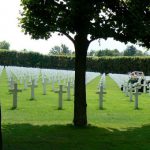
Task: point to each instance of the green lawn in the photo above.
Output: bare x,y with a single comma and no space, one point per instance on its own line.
39,125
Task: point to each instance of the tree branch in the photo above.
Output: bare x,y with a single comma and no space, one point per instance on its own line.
67,35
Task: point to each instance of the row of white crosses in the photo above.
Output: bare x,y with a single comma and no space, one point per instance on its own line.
128,88
120,79
101,92
22,75
63,78
70,83
90,76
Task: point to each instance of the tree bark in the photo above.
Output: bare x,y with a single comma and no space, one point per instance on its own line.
80,115
1,144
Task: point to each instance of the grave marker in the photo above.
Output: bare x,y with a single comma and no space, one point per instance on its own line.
60,94
101,92
33,86
53,85
15,95
144,86
11,83
68,90
130,91
44,83
25,83
136,94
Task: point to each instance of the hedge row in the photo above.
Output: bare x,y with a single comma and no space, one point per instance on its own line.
97,64
119,64
33,59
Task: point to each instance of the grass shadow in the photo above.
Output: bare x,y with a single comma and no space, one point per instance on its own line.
67,137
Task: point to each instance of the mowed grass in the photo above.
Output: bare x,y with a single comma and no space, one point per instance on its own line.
39,125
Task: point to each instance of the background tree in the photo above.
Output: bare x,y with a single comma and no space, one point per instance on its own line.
92,53
139,53
108,52
130,51
65,50
4,45
83,22
60,50
56,50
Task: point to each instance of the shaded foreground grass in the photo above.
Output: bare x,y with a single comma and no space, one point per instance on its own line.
39,125
66,137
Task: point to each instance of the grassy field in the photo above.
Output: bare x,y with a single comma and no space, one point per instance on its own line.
39,125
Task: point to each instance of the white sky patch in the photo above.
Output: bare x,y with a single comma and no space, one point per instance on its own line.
9,31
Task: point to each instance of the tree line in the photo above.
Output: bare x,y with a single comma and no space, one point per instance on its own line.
64,50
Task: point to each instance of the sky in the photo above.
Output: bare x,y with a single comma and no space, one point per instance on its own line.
10,32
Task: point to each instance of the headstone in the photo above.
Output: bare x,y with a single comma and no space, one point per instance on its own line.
101,92
144,86
14,92
44,83
11,83
130,91
53,85
60,94
25,83
68,90
33,86
136,94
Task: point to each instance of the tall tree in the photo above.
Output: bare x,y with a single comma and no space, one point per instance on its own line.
60,50
65,49
56,50
84,21
4,45
130,51
92,53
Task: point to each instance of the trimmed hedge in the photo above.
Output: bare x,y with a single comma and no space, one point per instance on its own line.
33,59
107,64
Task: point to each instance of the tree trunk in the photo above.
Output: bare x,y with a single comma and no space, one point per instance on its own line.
1,144
80,116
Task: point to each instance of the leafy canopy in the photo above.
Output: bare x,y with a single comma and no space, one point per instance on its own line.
124,20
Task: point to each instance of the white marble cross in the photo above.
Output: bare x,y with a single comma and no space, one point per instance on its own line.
130,91
53,85
68,90
60,94
33,86
14,92
25,83
144,86
136,94
101,92
11,83
44,83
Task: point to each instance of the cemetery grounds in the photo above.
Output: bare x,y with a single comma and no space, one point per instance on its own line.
39,125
